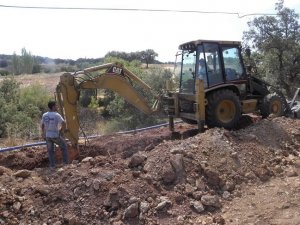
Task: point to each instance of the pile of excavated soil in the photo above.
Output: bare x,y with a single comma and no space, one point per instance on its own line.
248,176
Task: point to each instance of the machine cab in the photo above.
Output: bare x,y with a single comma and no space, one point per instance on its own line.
215,62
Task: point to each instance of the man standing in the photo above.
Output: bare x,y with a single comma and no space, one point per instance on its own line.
52,125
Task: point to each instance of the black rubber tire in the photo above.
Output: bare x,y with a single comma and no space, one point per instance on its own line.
223,109
272,104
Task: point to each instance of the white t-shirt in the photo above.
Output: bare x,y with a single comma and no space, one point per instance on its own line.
52,122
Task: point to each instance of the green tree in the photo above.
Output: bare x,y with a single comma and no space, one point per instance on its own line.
277,42
148,56
27,61
23,64
16,64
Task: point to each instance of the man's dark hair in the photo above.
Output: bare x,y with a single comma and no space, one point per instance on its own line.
51,104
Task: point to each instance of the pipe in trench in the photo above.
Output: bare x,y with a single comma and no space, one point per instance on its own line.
88,137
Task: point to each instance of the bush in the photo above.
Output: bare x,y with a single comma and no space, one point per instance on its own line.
90,121
37,68
34,98
125,116
21,109
4,73
9,90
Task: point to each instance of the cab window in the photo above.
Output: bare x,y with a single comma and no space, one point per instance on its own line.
187,82
213,65
232,63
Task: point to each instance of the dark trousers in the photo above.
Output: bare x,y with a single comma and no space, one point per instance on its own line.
63,146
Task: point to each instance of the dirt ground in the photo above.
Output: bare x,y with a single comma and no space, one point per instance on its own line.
247,176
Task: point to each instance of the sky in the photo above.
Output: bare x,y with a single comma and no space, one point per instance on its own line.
72,34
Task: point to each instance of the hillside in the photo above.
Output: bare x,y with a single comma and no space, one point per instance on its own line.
248,176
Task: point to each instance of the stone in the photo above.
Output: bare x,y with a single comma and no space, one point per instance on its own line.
133,199
144,207
95,171
197,195
87,159
179,198
291,173
234,155
212,176
219,220
96,185
211,200
4,170
168,175
60,170
163,205
198,206
5,214
178,167
57,223
88,182
229,186
180,219
136,160
226,195
263,173
278,169
43,190
71,219
136,174
17,206
118,223
176,151
200,184
113,199
22,173
132,211
297,163
189,189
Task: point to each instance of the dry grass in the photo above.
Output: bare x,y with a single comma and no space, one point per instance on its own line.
48,80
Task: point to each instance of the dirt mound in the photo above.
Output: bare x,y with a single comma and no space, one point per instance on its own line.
148,178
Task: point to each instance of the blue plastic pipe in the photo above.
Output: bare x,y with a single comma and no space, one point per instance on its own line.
88,137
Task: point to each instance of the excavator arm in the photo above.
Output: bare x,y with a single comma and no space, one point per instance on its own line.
113,76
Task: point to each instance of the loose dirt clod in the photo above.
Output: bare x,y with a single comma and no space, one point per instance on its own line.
248,176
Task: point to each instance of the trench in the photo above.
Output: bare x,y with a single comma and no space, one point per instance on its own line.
119,145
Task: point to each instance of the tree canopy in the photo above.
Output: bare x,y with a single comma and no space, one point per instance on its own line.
276,40
147,56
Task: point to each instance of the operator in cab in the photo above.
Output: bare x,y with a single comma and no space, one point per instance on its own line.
202,72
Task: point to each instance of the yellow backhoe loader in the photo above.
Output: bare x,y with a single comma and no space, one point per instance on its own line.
215,89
